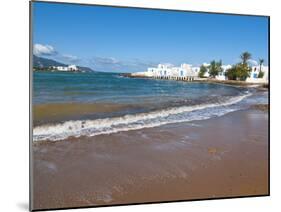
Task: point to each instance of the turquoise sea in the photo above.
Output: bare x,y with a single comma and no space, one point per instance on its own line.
88,104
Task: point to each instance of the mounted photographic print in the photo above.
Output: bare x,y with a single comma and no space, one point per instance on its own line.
136,105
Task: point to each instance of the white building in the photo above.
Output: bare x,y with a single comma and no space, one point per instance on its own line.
168,71
72,68
254,75
66,68
188,72
196,70
222,75
61,68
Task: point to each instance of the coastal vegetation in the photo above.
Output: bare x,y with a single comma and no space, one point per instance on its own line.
52,69
215,68
38,68
261,74
261,61
203,70
239,71
245,56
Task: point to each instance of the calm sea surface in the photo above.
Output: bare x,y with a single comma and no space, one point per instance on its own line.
59,87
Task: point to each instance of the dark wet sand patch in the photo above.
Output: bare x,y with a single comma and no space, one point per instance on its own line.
46,113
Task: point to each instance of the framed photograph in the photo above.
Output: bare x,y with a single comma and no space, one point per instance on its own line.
137,105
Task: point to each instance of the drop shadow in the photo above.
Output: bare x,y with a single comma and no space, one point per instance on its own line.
23,206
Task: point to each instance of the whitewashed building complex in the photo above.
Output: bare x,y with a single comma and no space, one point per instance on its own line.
253,78
188,72
168,71
66,68
255,73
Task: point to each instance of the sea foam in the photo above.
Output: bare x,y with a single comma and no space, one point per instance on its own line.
151,119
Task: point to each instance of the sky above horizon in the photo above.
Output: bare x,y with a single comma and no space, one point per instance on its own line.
127,40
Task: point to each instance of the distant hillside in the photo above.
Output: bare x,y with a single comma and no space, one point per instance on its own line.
83,68
44,62
40,62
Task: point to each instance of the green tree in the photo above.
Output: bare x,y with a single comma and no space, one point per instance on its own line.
243,71
203,71
231,73
245,57
239,71
215,68
261,74
261,61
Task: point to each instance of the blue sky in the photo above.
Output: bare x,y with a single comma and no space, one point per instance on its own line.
127,40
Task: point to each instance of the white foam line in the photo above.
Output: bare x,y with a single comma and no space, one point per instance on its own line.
117,124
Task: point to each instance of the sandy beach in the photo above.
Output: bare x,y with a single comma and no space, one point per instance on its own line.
145,110
224,156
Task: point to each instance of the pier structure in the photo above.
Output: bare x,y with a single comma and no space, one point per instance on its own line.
187,78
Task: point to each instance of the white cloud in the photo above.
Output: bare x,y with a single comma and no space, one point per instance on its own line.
41,50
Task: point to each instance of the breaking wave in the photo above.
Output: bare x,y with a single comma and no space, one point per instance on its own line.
151,119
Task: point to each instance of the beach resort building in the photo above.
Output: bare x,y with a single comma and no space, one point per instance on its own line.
72,68
168,71
253,78
189,73
195,70
61,68
254,75
66,68
222,75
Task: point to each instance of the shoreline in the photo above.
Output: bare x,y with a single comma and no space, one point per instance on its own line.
59,112
136,121
169,162
234,83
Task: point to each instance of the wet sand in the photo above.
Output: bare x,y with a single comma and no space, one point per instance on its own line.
220,157
52,113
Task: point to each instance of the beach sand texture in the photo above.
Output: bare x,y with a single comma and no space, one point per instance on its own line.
225,156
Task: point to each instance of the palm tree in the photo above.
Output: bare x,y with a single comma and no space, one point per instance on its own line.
261,61
245,56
